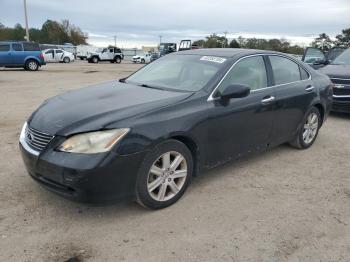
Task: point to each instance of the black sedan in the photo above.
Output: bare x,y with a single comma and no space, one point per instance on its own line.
145,136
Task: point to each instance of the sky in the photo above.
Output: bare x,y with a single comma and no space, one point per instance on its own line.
139,23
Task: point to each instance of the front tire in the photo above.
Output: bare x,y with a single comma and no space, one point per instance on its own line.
94,60
31,65
66,60
117,59
164,175
308,132
143,61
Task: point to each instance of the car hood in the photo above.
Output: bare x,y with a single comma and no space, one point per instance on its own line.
336,71
93,108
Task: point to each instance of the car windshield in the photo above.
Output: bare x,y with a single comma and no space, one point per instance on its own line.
178,72
343,58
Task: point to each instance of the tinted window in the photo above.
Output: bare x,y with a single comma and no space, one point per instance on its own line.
31,47
284,70
4,47
59,51
249,71
304,75
49,51
17,47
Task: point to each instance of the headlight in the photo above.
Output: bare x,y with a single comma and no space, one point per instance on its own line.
93,142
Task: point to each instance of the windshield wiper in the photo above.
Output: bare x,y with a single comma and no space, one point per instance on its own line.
150,86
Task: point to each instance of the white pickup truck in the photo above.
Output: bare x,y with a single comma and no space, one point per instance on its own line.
112,54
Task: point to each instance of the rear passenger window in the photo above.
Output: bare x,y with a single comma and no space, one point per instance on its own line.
284,70
304,75
250,71
31,47
4,47
17,47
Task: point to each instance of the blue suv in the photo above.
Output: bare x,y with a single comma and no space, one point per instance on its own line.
21,54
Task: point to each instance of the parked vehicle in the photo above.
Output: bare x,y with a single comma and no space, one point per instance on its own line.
21,54
338,69
167,48
57,55
143,58
145,136
154,56
112,54
84,50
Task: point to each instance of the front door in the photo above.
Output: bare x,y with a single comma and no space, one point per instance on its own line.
58,55
243,124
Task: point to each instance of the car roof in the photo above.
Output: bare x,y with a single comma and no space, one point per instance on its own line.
15,41
225,52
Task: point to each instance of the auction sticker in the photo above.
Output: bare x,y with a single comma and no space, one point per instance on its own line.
214,59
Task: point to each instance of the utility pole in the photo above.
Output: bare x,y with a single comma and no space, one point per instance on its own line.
160,39
115,41
225,38
26,19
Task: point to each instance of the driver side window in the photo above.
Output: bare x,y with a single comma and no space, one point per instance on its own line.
249,71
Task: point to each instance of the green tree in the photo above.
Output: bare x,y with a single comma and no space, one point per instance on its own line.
323,41
343,39
234,44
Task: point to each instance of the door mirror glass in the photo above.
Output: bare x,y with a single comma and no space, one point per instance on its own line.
313,55
234,91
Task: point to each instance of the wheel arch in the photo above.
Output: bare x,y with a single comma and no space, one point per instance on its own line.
194,149
32,58
320,109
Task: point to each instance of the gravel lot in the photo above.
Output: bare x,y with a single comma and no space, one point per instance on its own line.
283,205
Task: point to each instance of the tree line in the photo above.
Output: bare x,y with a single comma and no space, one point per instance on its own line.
51,32
323,41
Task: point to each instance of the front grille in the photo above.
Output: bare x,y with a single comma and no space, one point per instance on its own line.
345,91
340,81
36,139
342,87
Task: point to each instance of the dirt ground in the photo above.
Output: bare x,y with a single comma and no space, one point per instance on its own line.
282,205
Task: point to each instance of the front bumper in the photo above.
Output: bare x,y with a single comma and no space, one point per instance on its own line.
341,104
97,178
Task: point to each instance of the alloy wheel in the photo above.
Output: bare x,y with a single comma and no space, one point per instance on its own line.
167,176
310,128
32,65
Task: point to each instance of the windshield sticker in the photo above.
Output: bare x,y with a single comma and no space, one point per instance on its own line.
214,59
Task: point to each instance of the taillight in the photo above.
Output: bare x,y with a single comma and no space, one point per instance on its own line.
41,56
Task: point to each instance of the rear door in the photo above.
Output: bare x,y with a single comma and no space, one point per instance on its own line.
244,124
5,55
294,94
18,55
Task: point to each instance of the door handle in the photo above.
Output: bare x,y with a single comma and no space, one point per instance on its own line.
268,100
309,88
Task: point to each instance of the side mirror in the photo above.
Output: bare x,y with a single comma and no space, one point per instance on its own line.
234,91
320,62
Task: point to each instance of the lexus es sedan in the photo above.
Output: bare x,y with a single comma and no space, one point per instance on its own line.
145,136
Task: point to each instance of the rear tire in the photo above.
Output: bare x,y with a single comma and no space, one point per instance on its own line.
308,132
164,175
31,65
